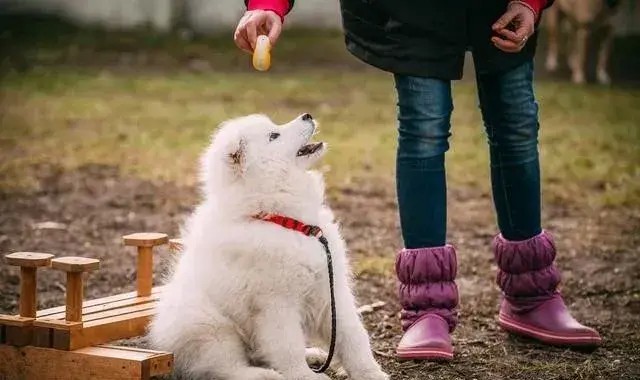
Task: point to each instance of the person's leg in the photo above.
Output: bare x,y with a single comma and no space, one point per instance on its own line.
426,267
525,254
424,113
510,115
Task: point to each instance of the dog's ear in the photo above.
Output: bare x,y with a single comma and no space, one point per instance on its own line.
236,155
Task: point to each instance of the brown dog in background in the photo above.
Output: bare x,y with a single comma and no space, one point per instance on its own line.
584,18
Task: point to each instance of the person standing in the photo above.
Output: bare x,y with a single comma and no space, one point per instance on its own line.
423,43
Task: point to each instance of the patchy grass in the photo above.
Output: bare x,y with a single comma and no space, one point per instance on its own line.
374,265
148,102
155,125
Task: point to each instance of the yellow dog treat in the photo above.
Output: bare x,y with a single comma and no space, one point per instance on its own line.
262,54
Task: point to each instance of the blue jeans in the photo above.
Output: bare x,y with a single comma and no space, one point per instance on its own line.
510,115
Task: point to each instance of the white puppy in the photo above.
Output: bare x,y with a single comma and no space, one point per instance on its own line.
248,295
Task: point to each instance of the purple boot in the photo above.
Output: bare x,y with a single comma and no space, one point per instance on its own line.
532,306
429,296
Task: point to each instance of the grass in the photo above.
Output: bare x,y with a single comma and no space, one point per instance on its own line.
75,106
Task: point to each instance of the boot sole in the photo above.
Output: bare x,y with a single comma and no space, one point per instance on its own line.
424,354
546,336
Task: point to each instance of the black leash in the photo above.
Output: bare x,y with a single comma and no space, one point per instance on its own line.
316,232
332,344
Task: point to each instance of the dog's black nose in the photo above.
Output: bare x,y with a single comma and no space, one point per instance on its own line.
306,117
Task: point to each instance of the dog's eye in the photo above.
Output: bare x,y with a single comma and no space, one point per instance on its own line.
273,136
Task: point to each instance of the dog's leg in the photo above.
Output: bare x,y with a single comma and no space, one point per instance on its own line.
579,59
552,19
223,356
602,69
352,345
280,341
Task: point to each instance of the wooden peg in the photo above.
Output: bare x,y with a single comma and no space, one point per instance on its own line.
145,241
74,266
28,263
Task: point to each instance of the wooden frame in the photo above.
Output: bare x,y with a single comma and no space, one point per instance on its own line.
103,320
66,342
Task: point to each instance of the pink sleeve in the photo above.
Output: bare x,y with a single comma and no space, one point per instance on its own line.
536,5
280,7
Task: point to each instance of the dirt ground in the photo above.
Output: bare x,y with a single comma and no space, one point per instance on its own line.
599,256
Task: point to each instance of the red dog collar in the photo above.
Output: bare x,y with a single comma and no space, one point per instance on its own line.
291,224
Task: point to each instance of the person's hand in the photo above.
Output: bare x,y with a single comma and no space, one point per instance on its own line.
255,23
514,28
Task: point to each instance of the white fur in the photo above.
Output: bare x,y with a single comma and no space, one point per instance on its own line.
247,296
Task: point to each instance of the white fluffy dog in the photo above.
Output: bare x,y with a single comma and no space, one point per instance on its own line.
247,296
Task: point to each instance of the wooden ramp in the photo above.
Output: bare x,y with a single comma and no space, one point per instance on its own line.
103,320
66,342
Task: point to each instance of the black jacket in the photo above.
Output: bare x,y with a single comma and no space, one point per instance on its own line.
428,37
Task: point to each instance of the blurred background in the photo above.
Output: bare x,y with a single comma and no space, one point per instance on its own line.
106,105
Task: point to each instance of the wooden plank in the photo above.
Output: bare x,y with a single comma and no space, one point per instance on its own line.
121,311
88,310
119,318
130,348
15,320
61,323
103,330
158,364
16,330
95,302
18,336
42,337
96,363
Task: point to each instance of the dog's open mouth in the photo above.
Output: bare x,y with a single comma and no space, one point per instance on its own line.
309,149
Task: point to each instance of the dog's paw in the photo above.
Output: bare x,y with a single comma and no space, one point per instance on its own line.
315,356
371,375
255,373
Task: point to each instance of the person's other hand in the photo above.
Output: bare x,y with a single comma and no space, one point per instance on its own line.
255,23
514,28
